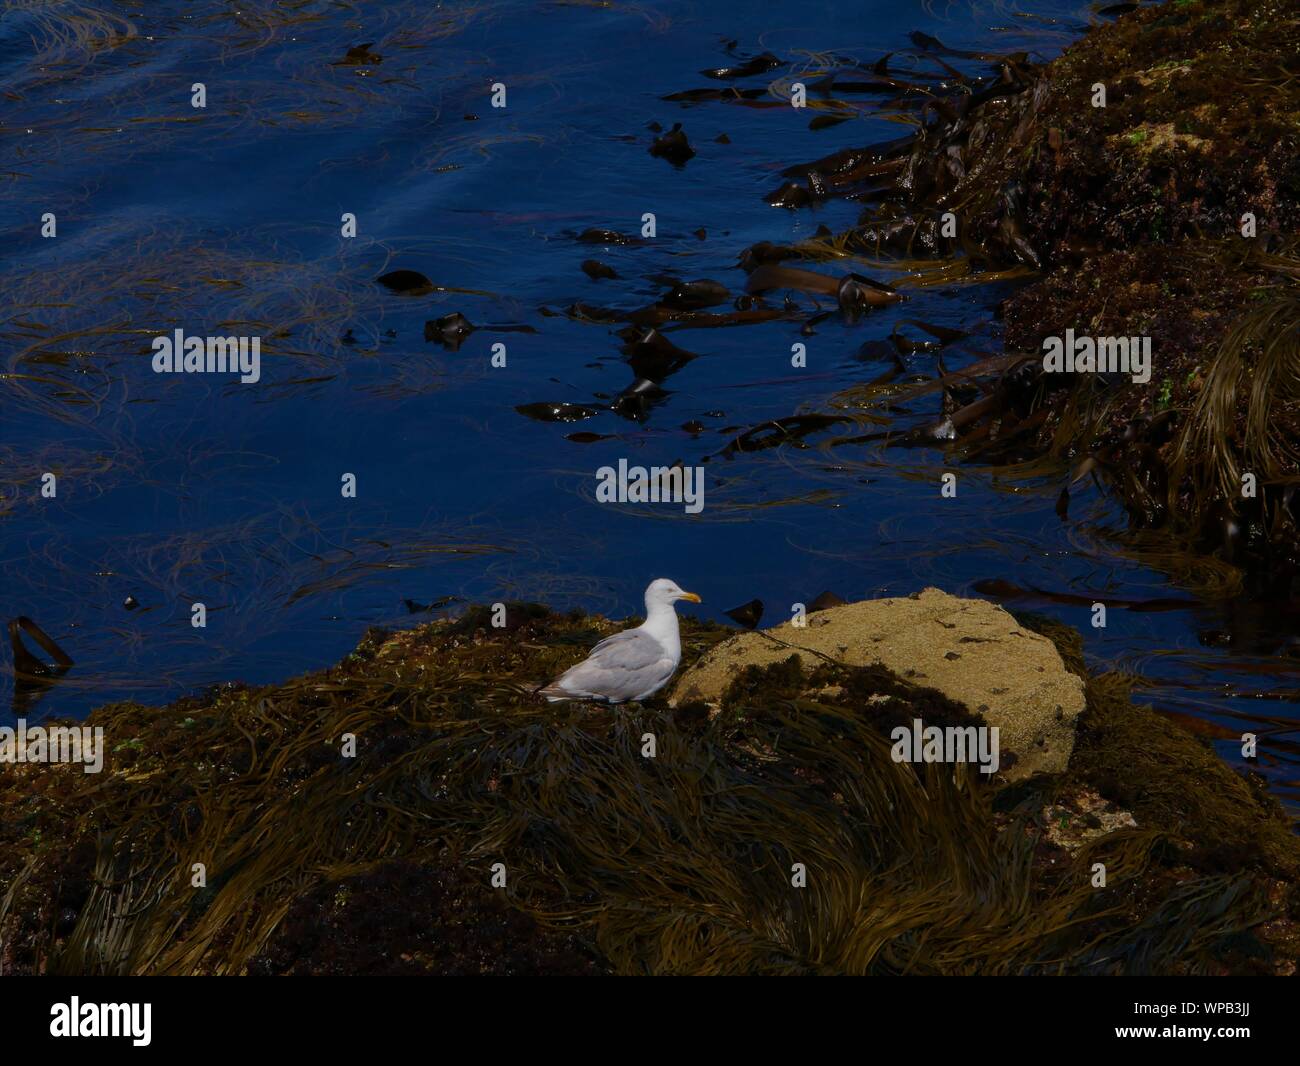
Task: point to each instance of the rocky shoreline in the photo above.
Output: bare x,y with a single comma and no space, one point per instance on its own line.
1149,181
1174,212
469,827
418,809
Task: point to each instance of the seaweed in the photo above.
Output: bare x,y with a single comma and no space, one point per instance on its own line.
679,863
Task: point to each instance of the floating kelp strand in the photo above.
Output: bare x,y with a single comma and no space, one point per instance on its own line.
849,159
759,64
731,93
781,431
360,55
767,277
406,282
823,122
28,664
606,236
1000,588
412,607
638,399
695,295
557,412
857,293
792,195
451,331
651,355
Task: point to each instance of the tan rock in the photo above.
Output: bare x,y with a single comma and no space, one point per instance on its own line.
972,651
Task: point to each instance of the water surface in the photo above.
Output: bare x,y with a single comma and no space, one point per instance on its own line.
226,220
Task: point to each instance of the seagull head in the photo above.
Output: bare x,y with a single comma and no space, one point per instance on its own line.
664,593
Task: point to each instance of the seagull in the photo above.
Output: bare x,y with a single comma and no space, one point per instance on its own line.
633,664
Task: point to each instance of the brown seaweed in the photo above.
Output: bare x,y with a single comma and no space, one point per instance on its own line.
360,56
1006,590
695,295
652,355
606,236
406,282
451,331
27,663
747,614
695,96
596,270
916,869
673,146
759,64
557,412
778,431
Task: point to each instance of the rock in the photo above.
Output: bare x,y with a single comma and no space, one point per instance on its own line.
1079,818
970,650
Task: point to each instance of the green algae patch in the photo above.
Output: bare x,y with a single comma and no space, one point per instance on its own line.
417,809
1151,139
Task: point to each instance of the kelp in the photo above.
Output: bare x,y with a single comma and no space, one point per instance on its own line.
32,675
1258,362
673,146
1223,402
1129,214
613,861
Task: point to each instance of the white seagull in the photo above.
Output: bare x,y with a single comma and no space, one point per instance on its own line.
633,664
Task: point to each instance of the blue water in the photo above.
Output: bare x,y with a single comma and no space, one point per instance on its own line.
226,220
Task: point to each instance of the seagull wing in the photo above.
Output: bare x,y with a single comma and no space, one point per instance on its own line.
626,666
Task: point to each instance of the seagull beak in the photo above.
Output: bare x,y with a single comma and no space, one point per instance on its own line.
690,596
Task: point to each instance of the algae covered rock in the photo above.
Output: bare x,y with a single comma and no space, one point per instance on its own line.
621,861
972,651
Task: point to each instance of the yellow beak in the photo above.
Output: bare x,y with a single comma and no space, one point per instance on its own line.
692,597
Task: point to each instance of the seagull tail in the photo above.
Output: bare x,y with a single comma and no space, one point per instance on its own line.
553,692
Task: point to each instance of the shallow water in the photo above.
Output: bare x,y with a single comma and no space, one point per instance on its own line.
174,489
